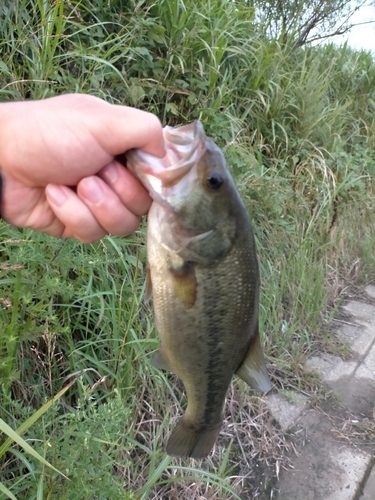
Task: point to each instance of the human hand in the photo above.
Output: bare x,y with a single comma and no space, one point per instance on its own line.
59,167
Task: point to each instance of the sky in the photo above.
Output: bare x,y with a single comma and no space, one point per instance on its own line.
363,36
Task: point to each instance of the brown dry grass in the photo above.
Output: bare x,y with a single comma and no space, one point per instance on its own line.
353,430
251,445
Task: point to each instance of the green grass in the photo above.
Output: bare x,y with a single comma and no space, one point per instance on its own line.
297,128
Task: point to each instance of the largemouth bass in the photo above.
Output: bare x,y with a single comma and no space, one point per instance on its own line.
204,278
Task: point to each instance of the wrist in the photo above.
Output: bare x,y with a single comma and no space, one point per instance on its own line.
7,142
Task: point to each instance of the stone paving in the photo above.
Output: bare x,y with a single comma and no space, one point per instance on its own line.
329,466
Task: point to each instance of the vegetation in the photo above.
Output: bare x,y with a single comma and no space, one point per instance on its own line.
302,22
297,128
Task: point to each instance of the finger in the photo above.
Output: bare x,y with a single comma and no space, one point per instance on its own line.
107,207
128,128
127,187
77,218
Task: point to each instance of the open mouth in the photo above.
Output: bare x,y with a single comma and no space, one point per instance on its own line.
184,145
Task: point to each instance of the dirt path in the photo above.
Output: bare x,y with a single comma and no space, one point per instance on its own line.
335,443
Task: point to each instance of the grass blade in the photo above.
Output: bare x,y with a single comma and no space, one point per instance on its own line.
4,427
7,492
30,421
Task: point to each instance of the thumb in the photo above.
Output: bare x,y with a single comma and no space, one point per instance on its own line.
120,128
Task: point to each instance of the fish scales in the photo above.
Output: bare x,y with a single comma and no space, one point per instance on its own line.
205,286
199,335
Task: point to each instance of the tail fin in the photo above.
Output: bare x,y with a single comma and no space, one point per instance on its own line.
189,441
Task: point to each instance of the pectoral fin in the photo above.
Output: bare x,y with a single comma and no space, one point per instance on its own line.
253,369
208,246
159,361
185,283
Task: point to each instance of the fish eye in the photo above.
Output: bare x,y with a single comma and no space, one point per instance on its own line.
214,181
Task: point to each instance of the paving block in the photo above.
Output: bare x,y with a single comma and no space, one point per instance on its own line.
358,337
369,489
324,468
370,290
331,368
352,466
366,368
364,313
286,407
353,383
358,396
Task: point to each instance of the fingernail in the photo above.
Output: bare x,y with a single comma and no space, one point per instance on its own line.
92,190
110,173
56,194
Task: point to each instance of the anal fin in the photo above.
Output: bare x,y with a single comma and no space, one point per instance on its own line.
253,369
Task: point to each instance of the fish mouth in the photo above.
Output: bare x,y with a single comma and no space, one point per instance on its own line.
185,146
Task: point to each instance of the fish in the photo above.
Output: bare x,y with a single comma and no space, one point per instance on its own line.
203,276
